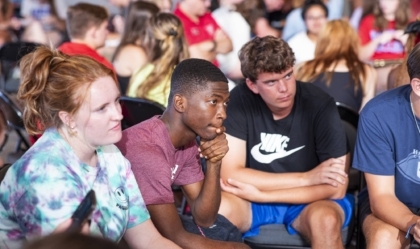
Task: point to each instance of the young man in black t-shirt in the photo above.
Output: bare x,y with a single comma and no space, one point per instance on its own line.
287,151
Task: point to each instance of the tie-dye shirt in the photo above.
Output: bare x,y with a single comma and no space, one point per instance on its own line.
44,188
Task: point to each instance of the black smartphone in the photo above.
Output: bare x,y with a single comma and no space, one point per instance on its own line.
83,211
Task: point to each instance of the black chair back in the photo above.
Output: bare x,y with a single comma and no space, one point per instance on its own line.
348,114
14,120
10,55
136,110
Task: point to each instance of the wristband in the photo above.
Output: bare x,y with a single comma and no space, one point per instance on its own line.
408,231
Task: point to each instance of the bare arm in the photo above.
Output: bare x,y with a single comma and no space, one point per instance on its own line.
370,85
367,50
129,59
385,205
223,42
204,197
210,48
145,235
233,166
167,221
262,28
297,195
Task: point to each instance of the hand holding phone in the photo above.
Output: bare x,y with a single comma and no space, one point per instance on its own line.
83,211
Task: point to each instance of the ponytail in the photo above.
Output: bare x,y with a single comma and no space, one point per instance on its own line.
52,82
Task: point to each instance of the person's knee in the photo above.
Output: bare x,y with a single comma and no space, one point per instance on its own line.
327,220
323,218
226,206
236,210
378,234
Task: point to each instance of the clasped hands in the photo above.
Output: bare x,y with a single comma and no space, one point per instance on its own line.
214,150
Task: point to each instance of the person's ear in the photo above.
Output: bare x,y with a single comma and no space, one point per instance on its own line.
415,85
252,86
67,119
180,103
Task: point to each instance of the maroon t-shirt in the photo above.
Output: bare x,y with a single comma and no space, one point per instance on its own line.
156,164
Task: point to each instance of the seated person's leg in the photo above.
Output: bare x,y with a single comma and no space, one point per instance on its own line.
379,234
236,210
318,219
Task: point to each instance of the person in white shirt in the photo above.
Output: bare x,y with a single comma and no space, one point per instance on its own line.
315,14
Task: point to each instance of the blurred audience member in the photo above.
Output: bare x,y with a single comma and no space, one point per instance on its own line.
239,32
315,15
164,5
276,12
337,68
42,23
165,47
362,10
204,36
382,37
130,54
254,13
399,75
295,24
87,27
8,23
72,241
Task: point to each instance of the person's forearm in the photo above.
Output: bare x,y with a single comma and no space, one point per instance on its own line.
202,52
162,243
367,50
302,195
390,210
207,204
223,46
266,181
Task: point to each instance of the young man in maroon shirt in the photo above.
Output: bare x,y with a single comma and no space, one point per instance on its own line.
163,152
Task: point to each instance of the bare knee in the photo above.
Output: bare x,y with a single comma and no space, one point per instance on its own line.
379,234
236,210
327,221
319,219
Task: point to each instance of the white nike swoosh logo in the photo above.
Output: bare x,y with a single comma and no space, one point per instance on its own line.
258,156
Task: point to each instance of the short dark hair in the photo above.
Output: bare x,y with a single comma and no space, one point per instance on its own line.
265,55
83,16
309,4
413,65
192,75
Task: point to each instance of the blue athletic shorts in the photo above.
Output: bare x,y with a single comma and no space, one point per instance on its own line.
277,213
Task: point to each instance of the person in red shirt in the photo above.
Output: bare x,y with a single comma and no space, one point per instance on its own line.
204,37
87,27
382,37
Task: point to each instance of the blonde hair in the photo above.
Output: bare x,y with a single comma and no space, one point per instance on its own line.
52,82
337,41
166,47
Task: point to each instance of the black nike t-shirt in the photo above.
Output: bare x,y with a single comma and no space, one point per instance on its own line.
309,135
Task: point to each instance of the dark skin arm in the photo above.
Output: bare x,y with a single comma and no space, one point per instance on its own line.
203,198
167,221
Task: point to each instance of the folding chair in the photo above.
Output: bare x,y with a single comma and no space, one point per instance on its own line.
136,110
14,120
10,55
